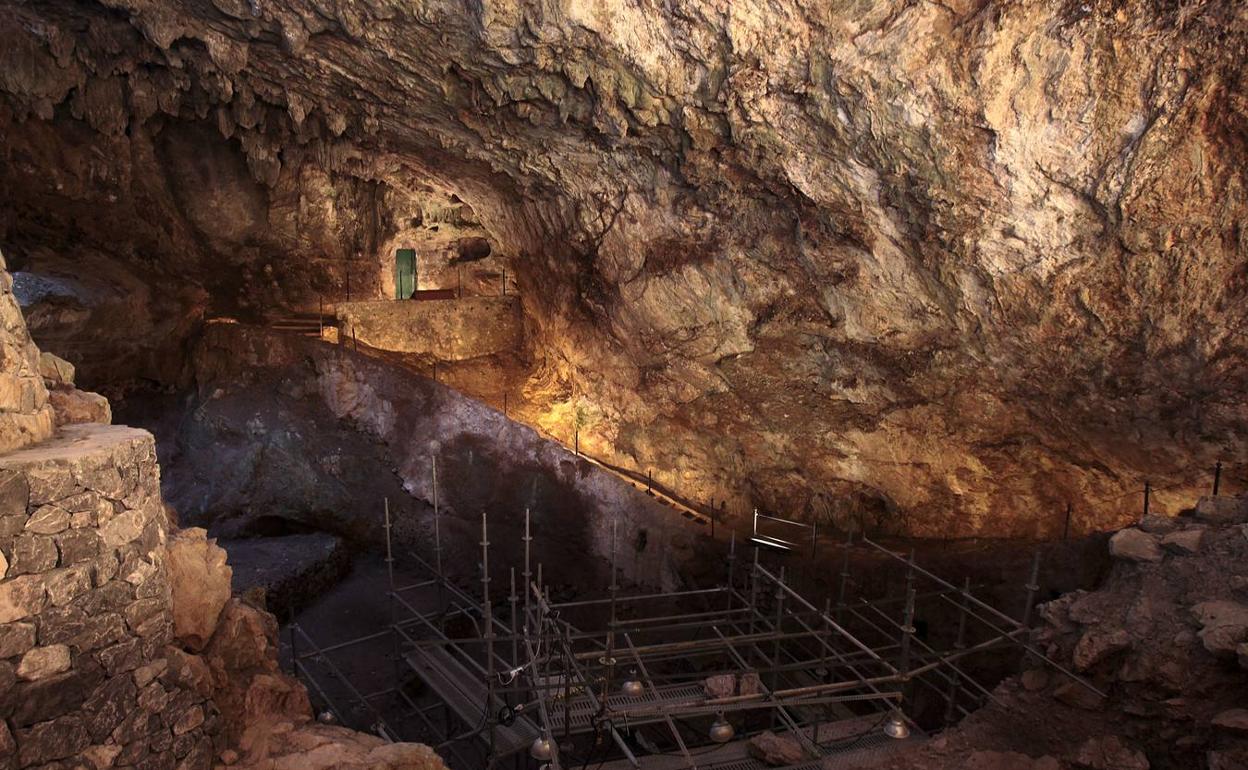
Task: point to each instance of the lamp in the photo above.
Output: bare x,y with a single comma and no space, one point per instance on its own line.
896,727
631,687
721,729
541,749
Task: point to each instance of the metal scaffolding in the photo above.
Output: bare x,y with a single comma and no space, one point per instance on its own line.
677,679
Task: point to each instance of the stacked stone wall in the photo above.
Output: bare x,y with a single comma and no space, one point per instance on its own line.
86,619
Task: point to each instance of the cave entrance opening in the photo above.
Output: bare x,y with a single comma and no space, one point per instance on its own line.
404,273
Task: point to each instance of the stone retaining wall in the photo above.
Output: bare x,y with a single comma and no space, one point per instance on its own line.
449,329
86,614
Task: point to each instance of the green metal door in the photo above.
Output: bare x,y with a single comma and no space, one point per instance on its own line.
404,273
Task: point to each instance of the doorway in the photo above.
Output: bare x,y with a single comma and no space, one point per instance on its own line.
404,273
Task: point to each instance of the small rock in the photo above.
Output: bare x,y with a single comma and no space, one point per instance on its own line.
229,757
1234,720
1097,645
1076,695
1185,542
42,662
1135,545
1035,679
55,370
1110,753
750,684
73,406
1224,626
1158,525
1222,510
720,685
776,750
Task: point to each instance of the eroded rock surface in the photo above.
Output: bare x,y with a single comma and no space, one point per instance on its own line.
914,264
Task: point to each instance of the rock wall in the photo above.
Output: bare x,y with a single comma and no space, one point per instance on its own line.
86,615
448,329
285,422
25,414
949,265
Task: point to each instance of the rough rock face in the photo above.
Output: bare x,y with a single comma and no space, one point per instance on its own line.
25,415
199,580
941,267
1155,639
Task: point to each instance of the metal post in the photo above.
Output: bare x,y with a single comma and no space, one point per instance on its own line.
1066,526
528,574
608,660
732,566
391,596
437,540
512,599
955,684
320,313
435,371
753,589
649,480
354,341
779,629
504,282
712,518
844,586
1148,493
505,405
1033,585
814,540
1217,477
487,611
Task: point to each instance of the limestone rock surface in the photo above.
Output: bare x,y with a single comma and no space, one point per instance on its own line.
1135,545
822,258
199,580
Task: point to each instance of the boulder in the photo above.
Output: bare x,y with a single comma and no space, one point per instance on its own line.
1224,626
1241,652
1108,752
1135,545
776,750
73,406
199,581
1222,510
1232,720
1184,542
55,371
323,747
1098,644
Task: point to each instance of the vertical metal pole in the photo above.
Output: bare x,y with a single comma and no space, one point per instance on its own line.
320,313
1217,477
505,414
437,540
955,684
504,282
487,611
753,589
649,480
513,599
814,540
294,654
394,626
842,590
732,566
1033,585
1066,525
354,341
779,629
609,660
712,518
528,574
1148,493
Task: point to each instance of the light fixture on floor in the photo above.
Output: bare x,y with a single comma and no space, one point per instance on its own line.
721,729
631,687
541,749
896,727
